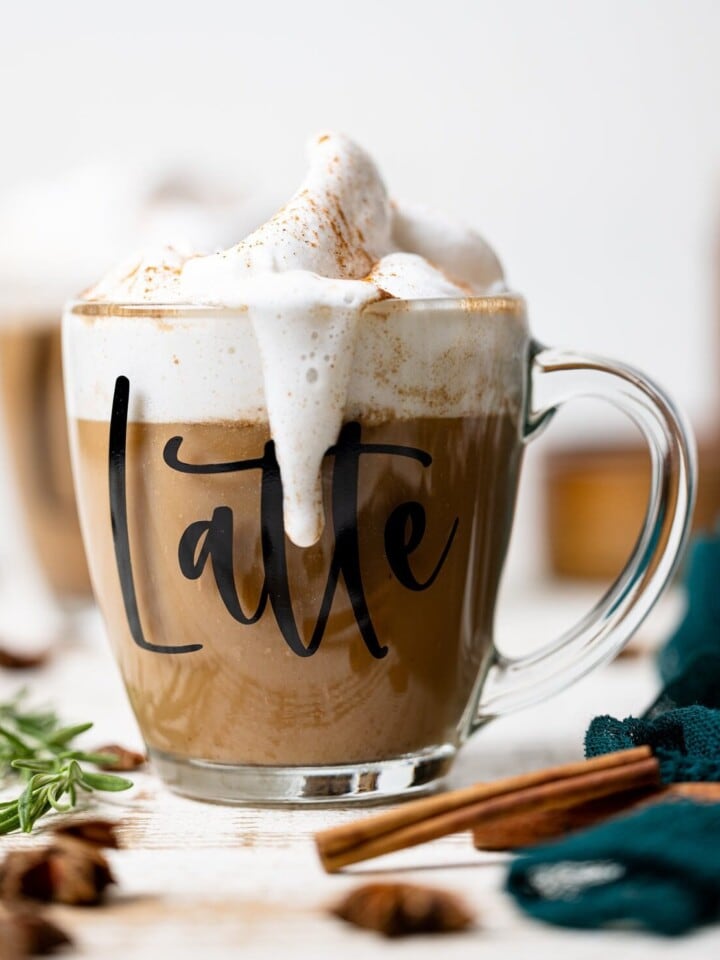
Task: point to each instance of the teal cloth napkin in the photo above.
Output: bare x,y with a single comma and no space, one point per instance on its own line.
685,741
657,869
699,633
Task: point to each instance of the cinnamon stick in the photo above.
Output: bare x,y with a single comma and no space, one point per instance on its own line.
512,832
524,830
434,817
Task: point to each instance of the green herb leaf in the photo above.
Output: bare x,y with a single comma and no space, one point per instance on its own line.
62,737
37,747
106,781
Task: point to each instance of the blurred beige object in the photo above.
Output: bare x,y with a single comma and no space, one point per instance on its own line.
595,501
33,407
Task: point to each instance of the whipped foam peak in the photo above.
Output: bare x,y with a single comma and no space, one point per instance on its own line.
304,278
338,224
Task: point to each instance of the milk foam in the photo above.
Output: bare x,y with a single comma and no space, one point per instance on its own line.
305,279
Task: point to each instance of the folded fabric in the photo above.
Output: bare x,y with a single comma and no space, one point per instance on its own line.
697,681
658,869
689,663
683,724
686,741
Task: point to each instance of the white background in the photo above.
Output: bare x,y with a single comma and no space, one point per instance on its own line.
582,138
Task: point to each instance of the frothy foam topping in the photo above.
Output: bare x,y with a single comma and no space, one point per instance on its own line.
305,277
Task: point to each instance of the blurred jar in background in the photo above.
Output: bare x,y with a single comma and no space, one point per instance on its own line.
595,503
595,497
56,238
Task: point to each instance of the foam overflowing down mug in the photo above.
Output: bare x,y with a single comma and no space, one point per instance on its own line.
296,464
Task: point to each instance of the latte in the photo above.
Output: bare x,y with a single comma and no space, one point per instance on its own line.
296,463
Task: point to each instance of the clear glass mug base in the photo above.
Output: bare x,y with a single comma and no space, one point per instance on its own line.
371,782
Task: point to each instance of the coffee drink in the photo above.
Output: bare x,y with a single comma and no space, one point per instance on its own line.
296,463
401,643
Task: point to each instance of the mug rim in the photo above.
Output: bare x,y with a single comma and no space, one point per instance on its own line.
489,304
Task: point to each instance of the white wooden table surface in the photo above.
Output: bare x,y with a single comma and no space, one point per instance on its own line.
196,880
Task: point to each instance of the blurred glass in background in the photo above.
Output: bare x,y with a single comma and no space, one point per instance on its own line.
57,236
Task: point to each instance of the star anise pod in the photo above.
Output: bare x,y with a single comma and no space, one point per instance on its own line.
100,833
401,909
24,932
67,871
119,758
14,660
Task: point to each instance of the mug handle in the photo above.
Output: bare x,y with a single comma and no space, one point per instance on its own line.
557,376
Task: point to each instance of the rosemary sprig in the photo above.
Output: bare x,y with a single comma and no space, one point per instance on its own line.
35,746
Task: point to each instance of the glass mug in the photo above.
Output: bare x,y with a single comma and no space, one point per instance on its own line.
260,671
